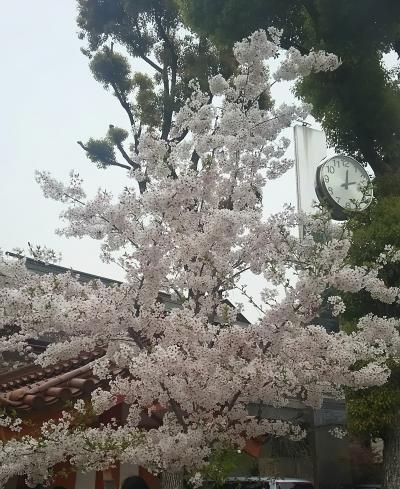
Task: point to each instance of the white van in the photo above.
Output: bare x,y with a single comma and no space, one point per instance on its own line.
266,483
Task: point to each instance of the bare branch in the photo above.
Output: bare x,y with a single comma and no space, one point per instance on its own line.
124,103
142,55
176,409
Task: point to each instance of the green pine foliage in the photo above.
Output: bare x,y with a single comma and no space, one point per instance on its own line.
112,69
101,152
148,106
116,135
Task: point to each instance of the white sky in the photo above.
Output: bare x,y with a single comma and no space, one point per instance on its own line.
49,100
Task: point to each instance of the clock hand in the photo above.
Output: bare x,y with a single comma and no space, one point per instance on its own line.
351,183
346,183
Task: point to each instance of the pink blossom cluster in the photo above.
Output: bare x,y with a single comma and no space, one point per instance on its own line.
193,232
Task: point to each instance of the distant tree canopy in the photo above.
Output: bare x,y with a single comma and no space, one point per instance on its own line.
120,31
358,104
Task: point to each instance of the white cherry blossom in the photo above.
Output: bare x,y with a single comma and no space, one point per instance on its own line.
194,231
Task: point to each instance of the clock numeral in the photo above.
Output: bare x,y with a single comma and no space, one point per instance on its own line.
338,199
347,205
330,190
340,163
331,169
326,178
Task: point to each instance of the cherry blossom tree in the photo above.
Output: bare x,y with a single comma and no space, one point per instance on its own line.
192,228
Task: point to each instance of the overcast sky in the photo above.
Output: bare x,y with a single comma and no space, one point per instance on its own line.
49,101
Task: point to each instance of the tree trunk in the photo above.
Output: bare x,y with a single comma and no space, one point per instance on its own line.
172,480
391,457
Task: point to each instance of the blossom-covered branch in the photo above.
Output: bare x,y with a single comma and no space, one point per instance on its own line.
193,232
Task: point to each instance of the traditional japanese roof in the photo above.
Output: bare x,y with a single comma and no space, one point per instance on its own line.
35,387
38,389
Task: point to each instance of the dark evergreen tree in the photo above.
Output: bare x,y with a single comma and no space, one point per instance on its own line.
374,412
358,104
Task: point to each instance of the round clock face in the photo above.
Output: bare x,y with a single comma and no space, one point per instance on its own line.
344,184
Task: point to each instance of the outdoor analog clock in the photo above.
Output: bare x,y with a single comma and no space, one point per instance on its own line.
344,185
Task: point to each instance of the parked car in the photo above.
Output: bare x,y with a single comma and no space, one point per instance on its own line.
266,483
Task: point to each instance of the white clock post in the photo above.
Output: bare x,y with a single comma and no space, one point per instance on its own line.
310,148
328,452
